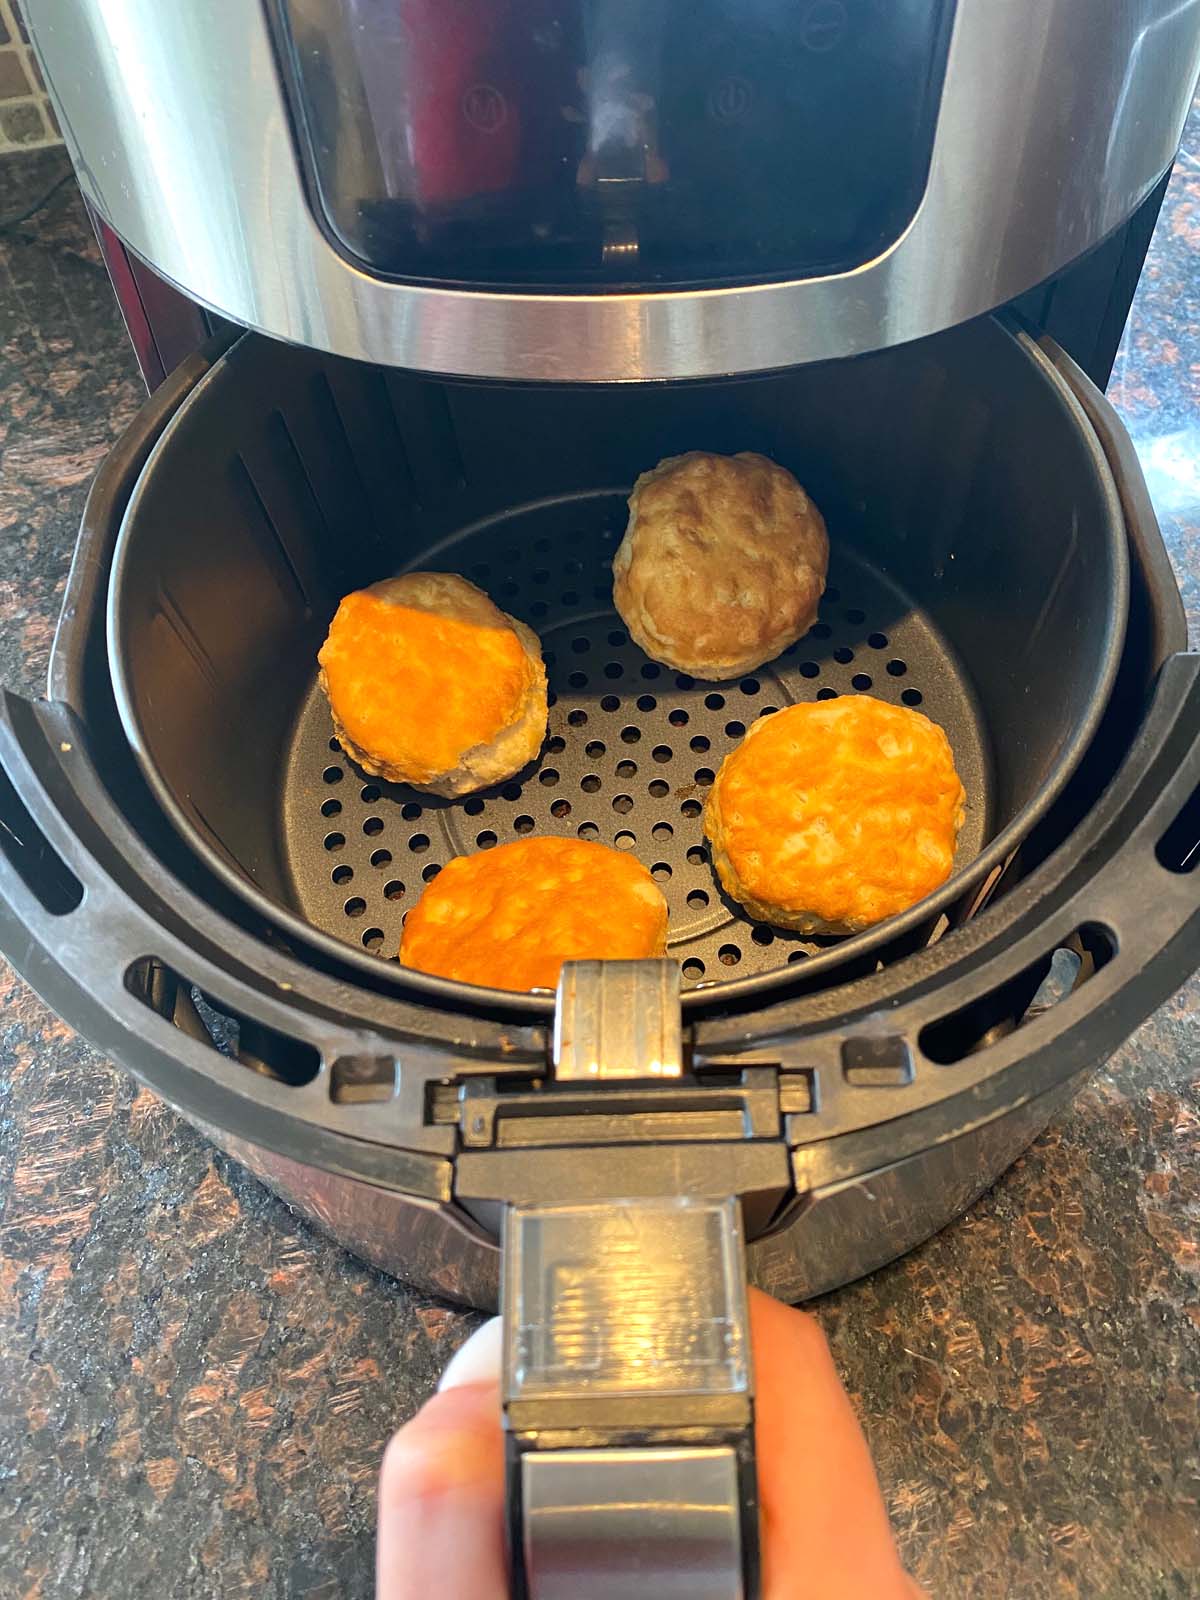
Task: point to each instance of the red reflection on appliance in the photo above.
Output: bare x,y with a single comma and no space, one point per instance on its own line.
464,119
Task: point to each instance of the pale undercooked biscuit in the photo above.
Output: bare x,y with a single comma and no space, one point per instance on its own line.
432,685
829,817
722,565
508,918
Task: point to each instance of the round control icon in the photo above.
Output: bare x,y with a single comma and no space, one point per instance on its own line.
823,25
485,107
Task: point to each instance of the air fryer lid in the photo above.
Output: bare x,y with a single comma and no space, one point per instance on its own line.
979,570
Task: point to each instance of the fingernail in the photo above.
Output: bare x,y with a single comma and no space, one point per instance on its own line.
476,1361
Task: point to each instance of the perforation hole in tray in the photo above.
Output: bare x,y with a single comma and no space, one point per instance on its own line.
631,752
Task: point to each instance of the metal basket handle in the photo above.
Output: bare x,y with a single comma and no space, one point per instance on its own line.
627,1378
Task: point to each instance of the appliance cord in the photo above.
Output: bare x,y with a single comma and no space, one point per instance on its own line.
31,210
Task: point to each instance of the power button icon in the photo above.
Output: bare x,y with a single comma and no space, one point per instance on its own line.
731,99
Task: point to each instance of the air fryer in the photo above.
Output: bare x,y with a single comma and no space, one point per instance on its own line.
463,302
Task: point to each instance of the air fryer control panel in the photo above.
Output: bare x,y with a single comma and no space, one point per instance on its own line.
636,142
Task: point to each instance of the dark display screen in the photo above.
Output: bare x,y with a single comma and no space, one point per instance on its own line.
576,143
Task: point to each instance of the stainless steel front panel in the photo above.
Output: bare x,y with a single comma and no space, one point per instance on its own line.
1055,122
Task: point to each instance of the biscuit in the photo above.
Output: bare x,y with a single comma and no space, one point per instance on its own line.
432,685
829,817
722,565
508,918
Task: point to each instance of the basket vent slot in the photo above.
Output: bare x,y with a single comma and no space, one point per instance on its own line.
41,869
263,1049
877,1061
360,1080
1022,999
1179,848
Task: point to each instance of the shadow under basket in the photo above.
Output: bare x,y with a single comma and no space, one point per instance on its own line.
979,572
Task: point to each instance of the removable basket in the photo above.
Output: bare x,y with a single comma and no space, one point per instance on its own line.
979,571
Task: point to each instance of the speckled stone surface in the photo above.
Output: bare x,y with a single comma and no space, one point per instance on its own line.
195,1387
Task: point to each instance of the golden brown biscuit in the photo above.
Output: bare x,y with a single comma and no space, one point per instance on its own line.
722,564
508,918
827,818
431,684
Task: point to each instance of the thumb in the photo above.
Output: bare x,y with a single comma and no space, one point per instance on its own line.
441,1488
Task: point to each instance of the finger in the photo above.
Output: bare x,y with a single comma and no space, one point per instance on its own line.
477,1359
825,1527
441,1495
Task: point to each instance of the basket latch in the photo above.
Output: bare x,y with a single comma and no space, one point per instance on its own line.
617,1019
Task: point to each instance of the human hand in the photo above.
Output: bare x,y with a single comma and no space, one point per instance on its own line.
825,1531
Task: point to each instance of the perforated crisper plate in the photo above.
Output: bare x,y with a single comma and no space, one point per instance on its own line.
631,747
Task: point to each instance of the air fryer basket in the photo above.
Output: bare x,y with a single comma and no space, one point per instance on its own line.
884,1098
979,570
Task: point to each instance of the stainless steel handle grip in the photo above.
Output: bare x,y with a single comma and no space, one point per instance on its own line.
628,1401
627,1380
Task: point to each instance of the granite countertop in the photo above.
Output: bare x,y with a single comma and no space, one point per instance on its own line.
195,1388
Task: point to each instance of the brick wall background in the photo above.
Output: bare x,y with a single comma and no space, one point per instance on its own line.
26,120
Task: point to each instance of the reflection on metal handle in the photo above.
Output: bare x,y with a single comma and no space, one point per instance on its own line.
628,1401
617,1020
632,1522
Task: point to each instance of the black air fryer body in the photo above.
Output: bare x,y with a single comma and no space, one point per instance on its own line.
193,890
335,457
